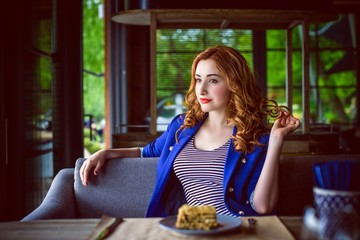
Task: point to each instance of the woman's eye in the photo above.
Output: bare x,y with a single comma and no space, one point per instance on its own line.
198,79
213,80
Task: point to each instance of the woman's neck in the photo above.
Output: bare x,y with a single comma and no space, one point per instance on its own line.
217,120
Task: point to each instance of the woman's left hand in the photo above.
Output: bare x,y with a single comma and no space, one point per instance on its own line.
285,124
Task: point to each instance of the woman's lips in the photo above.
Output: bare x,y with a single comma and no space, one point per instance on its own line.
204,100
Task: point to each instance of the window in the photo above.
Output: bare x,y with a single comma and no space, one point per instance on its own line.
332,66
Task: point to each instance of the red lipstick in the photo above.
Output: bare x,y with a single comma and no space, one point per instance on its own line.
204,100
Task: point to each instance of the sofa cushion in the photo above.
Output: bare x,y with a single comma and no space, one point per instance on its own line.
120,189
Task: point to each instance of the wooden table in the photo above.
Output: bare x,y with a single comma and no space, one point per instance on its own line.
293,224
82,228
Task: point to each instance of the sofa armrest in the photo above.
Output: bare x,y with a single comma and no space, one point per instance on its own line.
59,201
122,188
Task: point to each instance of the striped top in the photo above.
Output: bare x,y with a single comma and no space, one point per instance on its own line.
201,174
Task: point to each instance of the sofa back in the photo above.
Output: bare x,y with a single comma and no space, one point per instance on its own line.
123,187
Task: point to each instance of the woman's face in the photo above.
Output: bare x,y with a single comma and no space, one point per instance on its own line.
211,87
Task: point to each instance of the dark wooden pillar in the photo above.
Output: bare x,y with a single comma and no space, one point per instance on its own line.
138,76
13,74
259,48
68,110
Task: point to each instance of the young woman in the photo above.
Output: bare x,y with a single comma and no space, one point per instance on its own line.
221,152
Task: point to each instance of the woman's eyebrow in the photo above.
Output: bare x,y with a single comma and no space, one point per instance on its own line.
209,75
213,75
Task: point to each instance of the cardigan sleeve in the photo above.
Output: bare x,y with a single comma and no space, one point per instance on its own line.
155,148
260,154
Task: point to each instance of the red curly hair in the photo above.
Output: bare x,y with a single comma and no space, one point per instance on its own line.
246,108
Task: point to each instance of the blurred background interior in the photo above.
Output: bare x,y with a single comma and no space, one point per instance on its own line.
78,76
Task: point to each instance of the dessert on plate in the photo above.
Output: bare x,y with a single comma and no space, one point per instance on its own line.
196,217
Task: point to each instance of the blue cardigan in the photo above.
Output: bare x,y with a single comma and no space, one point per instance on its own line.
241,172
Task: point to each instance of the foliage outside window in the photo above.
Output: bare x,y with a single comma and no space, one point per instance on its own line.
93,59
93,74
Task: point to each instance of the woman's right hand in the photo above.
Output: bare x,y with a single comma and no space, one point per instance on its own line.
95,161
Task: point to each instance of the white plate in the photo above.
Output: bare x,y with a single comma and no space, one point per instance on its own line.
226,223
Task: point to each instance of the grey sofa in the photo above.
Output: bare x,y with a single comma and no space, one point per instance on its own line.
124,186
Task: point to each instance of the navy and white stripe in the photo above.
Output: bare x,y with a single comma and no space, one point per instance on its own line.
201,174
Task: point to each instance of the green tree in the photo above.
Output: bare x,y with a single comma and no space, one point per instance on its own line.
93,65
93,59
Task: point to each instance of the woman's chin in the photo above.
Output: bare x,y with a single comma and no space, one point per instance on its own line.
205,109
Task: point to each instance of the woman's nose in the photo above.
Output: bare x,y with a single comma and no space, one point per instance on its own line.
203,89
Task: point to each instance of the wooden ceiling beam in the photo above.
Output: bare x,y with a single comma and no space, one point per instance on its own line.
222,18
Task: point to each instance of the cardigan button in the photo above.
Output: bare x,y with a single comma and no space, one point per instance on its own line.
247,202
241,213
230,189
243,160
171,148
